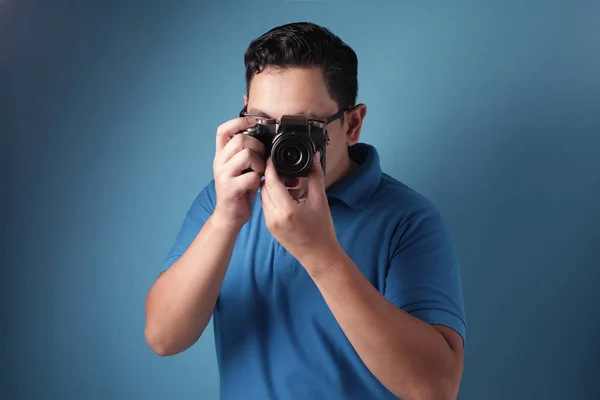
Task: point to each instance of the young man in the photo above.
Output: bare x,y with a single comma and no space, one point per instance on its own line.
351,292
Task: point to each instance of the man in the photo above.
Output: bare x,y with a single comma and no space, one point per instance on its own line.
352,291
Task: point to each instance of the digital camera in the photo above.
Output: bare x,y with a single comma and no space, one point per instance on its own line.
291,143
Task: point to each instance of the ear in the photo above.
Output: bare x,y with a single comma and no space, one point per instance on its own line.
245,99
354,119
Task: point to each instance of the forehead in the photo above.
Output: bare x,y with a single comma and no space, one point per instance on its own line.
275,92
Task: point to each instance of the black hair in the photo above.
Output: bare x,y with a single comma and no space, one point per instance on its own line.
304,45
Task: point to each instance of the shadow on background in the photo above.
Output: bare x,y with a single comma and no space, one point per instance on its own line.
491,110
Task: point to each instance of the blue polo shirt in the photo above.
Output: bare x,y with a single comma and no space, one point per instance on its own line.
275,336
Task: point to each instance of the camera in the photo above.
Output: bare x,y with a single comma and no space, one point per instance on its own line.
291,143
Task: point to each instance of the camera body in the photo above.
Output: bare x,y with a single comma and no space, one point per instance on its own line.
291,143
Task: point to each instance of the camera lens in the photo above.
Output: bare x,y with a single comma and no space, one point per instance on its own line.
292,154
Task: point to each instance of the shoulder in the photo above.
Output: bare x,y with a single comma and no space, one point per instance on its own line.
408,217
399,201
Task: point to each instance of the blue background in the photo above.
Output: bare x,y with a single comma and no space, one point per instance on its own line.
491,109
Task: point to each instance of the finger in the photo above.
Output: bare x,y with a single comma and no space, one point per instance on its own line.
241,185
276,189
227,130
243,160
237,144
316,181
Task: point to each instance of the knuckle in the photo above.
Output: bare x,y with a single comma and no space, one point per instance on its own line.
222,129
238,142
257,144
253,180
260,167
287,215
237,191
248,156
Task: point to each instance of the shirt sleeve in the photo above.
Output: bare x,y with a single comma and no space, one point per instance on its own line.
195,218
424,277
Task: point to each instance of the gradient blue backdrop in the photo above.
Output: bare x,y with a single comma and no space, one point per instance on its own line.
491,109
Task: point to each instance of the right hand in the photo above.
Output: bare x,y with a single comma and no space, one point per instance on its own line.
234,154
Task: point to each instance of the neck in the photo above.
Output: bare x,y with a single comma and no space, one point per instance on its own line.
346,167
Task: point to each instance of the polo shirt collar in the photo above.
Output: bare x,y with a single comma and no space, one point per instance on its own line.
356,189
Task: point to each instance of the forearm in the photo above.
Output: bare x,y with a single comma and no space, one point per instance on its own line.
407,355
180,303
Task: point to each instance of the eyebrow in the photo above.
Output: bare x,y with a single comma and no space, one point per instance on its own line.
307,113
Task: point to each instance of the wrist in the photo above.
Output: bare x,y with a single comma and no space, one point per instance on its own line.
225,224
324,260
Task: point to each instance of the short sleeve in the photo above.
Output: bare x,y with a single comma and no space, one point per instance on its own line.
195,218
424,277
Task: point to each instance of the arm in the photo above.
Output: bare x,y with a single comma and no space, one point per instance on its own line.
180,303
413,359
396,333
403,336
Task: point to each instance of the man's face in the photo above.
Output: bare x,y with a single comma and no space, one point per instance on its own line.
277,92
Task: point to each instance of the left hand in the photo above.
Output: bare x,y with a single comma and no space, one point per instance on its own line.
305,229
